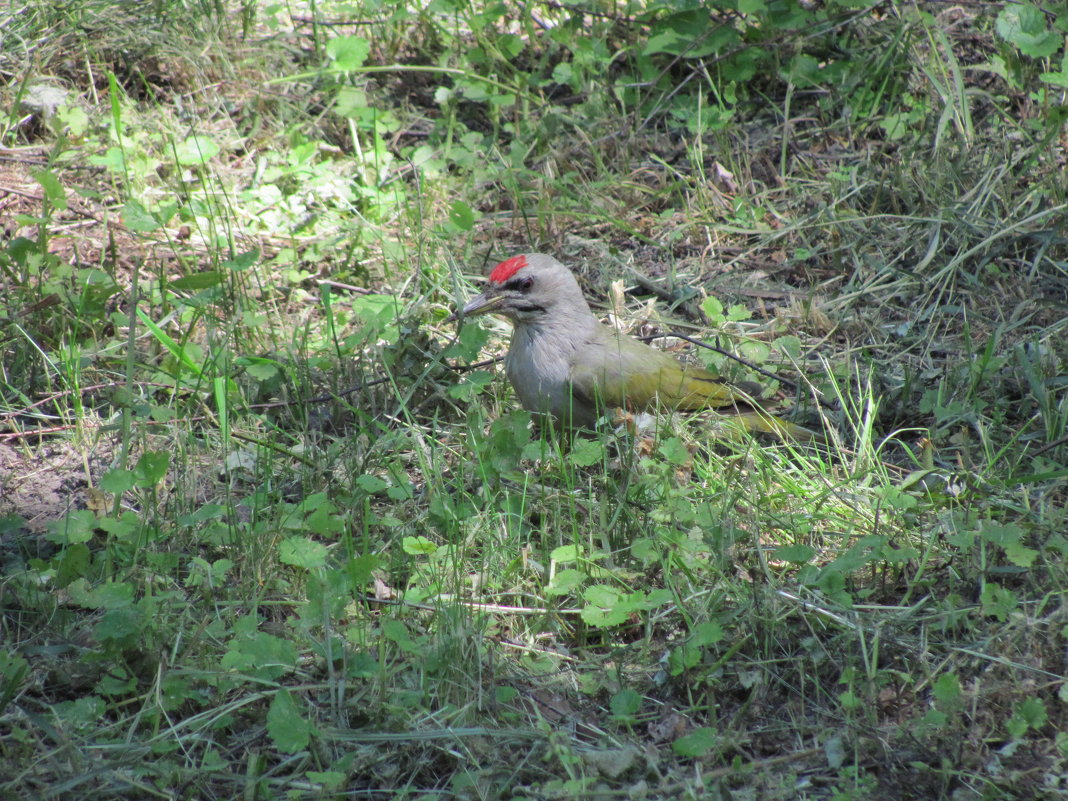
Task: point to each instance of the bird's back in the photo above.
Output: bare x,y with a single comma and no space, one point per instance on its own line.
618,371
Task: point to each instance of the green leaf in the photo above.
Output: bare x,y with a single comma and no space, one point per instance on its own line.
401,492
804,71
302,552
179,352
89,709
75,118
1033,712
790,345
151,468
795,554
602,595
675,451
1017,727
663,42
348,52
259,368
72,564
645,550
656,598
120,627
683,657
604,618
863,551
606,606
565,581
934,718
351,102
243,261
946,690
112,595
697,743
690,34
375,307
473,383
395,631
462,215
204,280
587,452
74,527
53,189
625,704
896,126
713,310
371,484
262,655
324,520
288,730
835,752
195,149
563,554
97,286
1020,555
1000,534
962,539
113,160
118,481
1059,78
329,780
754,350
379,312
127,528
510,45
738,313
1025,27
850,700
361,568
418,546
997,602
707,633
137,218
469,343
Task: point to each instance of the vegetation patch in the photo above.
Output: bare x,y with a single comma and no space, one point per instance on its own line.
273,525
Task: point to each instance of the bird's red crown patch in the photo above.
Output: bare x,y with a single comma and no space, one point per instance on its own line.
506,269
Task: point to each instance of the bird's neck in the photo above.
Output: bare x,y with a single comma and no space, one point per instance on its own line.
561,332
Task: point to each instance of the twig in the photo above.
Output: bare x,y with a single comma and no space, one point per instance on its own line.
1050,446
460,368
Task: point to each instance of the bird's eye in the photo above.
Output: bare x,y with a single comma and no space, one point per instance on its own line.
520,284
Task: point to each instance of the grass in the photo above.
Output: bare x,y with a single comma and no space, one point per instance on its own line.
272,526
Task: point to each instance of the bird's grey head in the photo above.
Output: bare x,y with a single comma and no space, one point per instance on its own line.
530,288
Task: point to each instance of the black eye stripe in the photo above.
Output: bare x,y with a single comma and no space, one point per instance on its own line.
519,284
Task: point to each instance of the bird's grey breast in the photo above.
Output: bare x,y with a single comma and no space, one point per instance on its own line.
538,364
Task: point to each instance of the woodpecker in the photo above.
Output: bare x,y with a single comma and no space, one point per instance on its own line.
565,364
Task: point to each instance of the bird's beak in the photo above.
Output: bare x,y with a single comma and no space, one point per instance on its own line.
480,304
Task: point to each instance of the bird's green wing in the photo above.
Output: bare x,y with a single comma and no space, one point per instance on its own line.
691,388
620,372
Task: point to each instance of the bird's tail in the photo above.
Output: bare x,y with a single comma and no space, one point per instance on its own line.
765,423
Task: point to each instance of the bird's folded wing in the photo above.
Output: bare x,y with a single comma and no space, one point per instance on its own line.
609,389
669,385
695,389
637,384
